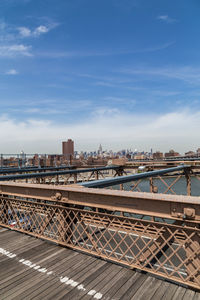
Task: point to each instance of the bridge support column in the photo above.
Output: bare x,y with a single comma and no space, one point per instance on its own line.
96,175
188,181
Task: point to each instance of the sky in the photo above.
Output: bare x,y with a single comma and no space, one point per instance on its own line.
123,73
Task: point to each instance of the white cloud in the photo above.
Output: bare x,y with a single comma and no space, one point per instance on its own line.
15,50
42,29
115,130
24,31
166,18
11,35
12,72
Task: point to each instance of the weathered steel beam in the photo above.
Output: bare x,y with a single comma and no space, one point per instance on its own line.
33,169
159,205
123,179
54,173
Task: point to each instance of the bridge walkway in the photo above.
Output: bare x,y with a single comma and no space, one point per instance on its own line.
31,268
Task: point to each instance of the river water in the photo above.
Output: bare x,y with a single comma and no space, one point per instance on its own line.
180,187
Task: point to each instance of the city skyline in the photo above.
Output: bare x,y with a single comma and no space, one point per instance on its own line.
69,150
120,73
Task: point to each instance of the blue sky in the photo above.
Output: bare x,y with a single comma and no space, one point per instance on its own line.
123,73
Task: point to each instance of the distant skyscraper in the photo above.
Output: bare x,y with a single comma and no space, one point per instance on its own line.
100,149
68,149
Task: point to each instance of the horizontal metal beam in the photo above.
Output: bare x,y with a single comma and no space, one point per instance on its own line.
123,179
33,169
54,173
159,205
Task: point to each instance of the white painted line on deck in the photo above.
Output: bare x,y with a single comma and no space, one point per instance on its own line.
63,279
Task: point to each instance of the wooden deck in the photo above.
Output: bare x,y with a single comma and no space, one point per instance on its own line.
34,269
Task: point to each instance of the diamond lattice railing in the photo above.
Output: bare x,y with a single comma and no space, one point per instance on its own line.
171,250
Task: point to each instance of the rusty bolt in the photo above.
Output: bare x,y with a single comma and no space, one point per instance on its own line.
58,196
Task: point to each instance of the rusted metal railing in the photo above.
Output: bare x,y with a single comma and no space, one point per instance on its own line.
176,180
180,180
156,233
59,175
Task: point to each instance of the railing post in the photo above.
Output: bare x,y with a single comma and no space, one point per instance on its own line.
188,181
18,161
120,171
96,175
5,211
153,188
75,178
151,184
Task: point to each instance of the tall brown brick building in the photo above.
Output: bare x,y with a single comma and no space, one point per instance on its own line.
68,149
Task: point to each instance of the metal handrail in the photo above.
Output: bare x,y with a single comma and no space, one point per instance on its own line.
30,169
48,174
123,179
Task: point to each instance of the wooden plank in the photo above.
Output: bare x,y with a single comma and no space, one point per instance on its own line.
28,282
160,291
123,289
16,243
27,256
179,293
144,287
149,290
170,292
106,283
10,240
36,258
90,281
136,285
18,268
22,249
3,229
70,292
70,273
196,296
189,295
18,281
39,280
117,284
8,284
53,282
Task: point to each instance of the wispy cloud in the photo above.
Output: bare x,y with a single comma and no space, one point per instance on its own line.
11,36
10,32
11,44
26,32
122,100
15,50
6,32
188,74
52,107
104,83
166,19
12,72
75,53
